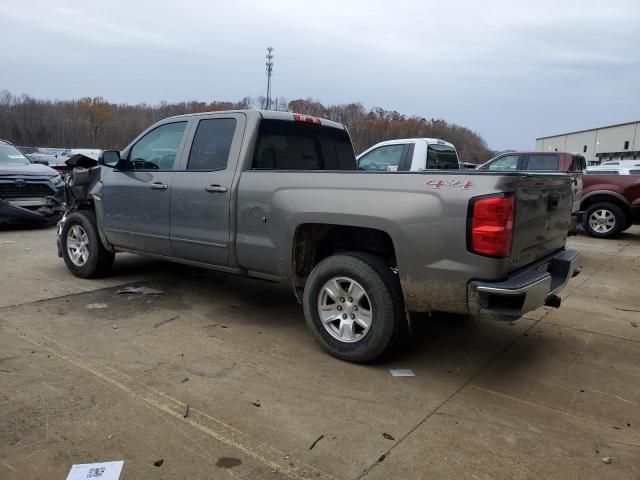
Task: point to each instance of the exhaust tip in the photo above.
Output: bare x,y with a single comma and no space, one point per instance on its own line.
553,300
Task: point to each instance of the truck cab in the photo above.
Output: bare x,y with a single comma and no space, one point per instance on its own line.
409,155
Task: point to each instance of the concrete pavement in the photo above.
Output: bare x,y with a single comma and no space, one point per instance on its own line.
547,396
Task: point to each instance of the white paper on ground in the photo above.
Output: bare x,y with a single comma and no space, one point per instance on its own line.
141,290
402,372
96,471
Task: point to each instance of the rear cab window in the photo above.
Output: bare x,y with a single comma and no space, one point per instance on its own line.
543,162
441,157
287,145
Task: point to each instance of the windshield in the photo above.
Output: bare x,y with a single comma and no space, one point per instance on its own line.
442,156
10,155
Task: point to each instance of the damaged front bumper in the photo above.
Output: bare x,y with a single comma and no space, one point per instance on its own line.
527,289
29,210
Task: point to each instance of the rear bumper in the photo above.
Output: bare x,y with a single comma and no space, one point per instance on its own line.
527,289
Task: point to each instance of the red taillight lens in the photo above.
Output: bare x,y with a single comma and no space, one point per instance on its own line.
492,226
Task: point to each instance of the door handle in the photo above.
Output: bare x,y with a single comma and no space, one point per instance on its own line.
215,189
159,186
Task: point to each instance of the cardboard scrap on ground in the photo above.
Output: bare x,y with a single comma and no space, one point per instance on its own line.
96,471
402,372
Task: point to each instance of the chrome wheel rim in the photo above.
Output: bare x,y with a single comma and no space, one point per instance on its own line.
345,309
78,245
602,221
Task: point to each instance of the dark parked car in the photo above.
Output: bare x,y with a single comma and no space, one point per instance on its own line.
29,192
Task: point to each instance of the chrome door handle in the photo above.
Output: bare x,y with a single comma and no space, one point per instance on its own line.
159,186
215,189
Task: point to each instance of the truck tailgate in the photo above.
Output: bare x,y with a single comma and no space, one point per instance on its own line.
542,217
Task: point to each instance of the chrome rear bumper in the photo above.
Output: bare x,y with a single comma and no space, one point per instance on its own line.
526,290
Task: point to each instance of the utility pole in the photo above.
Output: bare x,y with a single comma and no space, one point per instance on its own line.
269,69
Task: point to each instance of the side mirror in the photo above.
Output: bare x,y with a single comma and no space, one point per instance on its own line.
109,158
40,162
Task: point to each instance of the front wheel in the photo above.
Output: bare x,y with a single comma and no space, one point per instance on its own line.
82,250
353,306
604,220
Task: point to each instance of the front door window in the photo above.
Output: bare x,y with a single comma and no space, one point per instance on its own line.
158,149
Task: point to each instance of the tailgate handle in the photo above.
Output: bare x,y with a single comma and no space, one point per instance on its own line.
552,203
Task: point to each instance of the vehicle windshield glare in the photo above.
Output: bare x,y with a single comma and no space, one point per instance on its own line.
10,155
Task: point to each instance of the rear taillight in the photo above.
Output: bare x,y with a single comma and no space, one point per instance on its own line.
491,225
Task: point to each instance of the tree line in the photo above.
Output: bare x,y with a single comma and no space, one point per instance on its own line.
97,123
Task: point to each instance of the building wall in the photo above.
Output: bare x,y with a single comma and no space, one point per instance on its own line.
601,143
612,139
577,141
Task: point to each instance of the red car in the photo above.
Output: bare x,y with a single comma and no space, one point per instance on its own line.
611,202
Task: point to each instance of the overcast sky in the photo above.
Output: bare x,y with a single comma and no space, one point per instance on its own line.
509,70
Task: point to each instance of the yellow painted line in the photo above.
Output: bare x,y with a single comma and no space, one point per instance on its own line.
211,426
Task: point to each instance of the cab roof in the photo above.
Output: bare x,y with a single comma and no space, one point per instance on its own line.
269,115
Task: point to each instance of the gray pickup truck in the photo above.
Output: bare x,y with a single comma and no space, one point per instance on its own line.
278,196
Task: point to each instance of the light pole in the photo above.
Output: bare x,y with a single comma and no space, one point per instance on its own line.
269,69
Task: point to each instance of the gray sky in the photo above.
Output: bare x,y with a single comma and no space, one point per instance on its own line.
510,70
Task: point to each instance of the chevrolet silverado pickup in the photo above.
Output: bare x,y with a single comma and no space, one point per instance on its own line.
278,196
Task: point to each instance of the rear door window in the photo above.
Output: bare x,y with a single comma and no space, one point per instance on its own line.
211,144
383,159
578,164
442,157
543,162
286,145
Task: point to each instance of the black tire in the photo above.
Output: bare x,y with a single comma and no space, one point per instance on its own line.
100,260
384,293
613,230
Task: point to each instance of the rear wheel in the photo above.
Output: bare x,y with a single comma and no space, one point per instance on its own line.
82,249
353,306
604,220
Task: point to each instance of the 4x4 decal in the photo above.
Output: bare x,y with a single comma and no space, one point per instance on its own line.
464,184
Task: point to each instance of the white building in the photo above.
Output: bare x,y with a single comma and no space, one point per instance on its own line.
615,142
